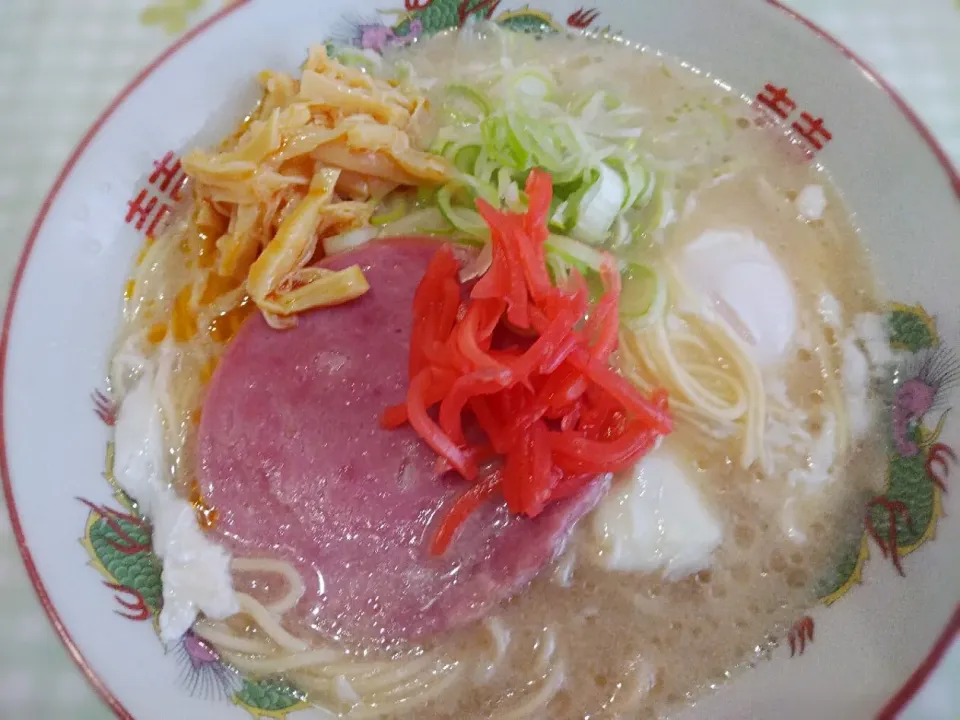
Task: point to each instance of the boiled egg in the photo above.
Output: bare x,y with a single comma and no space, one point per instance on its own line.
654,518
732,277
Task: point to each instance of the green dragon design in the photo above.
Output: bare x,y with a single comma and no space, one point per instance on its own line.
906,514
118,542
420,18
269,698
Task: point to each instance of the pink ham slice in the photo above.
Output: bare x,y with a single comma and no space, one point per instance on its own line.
292,455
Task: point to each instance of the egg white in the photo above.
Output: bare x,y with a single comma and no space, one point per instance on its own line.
731,276
655,518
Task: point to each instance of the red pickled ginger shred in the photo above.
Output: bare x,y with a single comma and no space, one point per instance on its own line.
550,412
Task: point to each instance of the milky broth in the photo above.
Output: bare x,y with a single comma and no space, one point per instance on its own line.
633,644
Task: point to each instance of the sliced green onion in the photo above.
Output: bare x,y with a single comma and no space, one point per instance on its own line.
485,168
485,190
545,142
639,180
571,207
441,146
580,104
426,194
428,221
559,215
523,129
509,191
651,216
594,106
654,181
558,268
576,253
465,158
495,132
537,83
644,293
509,120
465,104
464,220
599,206
621,231
397,209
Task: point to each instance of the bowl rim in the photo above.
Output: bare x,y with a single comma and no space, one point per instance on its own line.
891,708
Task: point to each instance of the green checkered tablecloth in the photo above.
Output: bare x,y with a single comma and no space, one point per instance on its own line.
61,61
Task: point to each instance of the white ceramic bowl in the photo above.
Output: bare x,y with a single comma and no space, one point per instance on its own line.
878,633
